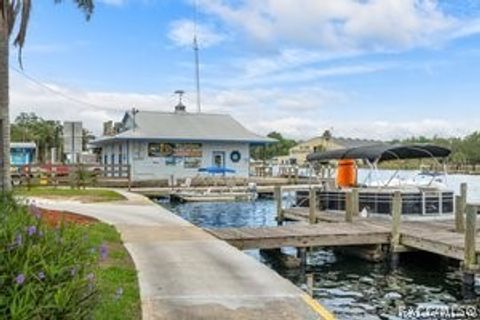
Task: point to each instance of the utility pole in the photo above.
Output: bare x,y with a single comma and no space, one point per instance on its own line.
197,59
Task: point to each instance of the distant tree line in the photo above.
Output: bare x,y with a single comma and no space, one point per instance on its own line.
47,134
464,150
280,148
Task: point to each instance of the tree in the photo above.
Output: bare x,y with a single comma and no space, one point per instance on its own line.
47,134
16,13
280,148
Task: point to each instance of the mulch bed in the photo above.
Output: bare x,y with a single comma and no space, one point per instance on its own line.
54,217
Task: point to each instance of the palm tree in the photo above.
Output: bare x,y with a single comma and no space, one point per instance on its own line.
11,13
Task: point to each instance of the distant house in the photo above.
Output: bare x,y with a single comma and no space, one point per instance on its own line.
22,153
298,154
159,145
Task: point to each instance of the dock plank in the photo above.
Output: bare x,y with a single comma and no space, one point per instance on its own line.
324,234
437,236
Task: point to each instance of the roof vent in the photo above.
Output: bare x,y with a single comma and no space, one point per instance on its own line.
180,107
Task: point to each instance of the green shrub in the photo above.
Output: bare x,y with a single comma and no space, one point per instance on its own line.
45,272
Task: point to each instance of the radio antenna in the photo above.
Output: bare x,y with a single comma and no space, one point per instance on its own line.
195,50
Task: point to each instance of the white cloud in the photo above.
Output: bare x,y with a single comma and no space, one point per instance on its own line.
338,25
297,113
182,31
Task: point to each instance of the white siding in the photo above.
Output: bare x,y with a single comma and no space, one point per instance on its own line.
151,168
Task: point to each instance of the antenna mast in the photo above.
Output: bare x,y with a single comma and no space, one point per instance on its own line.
197,63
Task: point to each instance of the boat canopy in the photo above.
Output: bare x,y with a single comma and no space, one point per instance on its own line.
382,152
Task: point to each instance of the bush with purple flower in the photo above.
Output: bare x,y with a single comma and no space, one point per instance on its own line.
41,277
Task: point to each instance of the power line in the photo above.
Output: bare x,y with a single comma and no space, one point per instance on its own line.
57,92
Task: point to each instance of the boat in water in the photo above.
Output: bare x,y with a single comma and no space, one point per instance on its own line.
423,195
212,194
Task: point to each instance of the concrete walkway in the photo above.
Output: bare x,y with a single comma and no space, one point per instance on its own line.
185,273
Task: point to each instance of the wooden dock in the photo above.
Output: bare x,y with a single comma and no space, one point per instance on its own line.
437,237
304,235
454,238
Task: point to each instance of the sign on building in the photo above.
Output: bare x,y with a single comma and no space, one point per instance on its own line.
72,140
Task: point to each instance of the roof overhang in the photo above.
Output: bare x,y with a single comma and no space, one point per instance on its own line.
383,152
105,140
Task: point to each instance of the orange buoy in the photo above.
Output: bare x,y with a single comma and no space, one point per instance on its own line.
346,173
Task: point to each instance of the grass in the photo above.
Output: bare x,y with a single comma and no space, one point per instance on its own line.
83,195
116,274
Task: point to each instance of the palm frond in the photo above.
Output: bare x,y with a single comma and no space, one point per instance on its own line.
86,6
22,30
11,10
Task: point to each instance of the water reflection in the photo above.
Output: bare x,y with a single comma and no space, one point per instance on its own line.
351,288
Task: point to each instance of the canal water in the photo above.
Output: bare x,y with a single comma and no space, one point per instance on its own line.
352,288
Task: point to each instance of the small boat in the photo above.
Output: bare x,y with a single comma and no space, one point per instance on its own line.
209,195
423,195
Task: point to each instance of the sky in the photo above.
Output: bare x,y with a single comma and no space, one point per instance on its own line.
376,69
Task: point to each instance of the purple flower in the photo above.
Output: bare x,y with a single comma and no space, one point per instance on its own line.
35,210
118,293
41,275
20,279
103,251
31,230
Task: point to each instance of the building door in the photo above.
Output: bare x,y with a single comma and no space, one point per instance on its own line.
218,159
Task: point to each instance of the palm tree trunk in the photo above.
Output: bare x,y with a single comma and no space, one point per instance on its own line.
4,115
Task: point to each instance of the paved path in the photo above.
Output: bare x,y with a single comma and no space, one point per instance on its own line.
185,273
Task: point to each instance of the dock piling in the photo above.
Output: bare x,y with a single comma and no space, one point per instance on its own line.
277,191
310,284
459,212
356,202
349,206
396,220
470,259
470,263
312,216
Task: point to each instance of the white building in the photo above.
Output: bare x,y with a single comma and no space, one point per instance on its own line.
161,144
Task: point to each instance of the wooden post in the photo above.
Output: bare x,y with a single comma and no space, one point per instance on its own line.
349,206
470,263
356,202
463,194
310,283
459,218
312,210
396,219
277,191
395,236
470,259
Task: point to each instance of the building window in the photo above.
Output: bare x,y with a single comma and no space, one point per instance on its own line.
157,150
192,163
179,150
